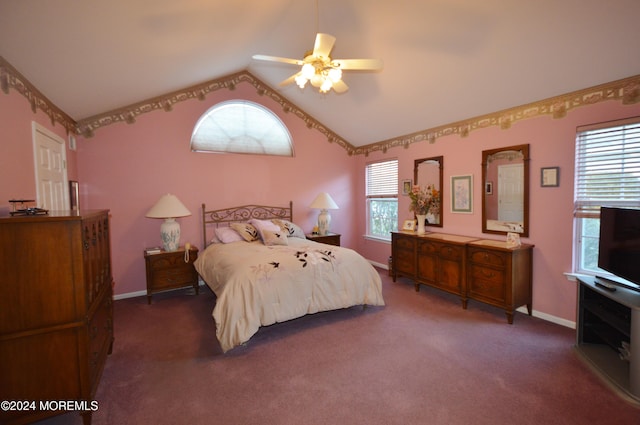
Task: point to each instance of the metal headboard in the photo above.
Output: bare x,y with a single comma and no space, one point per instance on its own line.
227,216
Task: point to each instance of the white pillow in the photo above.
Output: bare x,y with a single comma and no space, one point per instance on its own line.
227,235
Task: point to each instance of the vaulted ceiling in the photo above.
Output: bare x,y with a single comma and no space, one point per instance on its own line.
444,60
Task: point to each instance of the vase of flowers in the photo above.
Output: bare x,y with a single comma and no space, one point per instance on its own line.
424,201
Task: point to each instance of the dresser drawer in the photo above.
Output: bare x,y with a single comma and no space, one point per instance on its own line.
100,335
451,252
487,283
486,257
405,244
426,248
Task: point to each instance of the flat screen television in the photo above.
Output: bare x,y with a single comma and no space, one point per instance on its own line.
619,247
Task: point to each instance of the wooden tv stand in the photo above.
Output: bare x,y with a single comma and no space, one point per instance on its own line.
606,319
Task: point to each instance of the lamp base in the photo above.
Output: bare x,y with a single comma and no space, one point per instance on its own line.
170,234
324,220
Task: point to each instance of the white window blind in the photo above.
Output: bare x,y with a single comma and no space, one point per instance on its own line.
607,166
382,179
241,126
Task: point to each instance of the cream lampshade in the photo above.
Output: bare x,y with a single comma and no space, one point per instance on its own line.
324,202
169,207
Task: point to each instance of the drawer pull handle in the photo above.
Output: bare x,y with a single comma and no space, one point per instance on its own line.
488,274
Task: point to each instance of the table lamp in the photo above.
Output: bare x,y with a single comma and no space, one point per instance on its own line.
169,207
324,202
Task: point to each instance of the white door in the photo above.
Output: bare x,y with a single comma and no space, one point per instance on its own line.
511,193
51,169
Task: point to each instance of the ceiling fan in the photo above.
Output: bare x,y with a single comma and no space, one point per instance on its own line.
319,69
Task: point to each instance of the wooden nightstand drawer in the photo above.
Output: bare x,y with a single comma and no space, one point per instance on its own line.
168,270
330,239
170,278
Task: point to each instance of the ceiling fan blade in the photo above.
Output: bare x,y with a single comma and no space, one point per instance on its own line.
278,59
359,64
323,45
290,79
340,86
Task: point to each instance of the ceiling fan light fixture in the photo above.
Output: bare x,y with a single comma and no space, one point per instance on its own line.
335,74
301,81
317,80
326,86
308,71
318,68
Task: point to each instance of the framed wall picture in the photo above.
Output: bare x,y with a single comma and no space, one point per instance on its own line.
406,187
462,194
550,176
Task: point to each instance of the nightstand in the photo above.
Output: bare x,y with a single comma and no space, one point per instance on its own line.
168,270
330,239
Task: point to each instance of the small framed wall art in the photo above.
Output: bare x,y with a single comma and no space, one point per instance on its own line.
550,176
406,187
462,194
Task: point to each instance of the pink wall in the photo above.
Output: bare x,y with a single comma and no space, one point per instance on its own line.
17,173
551,221
126,168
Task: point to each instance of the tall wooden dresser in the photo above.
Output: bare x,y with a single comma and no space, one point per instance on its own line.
56,312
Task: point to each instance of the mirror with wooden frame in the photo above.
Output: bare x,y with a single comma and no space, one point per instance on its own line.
428,171
505,200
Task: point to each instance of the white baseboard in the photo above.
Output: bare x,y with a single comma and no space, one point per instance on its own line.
129,295
549,318
141,293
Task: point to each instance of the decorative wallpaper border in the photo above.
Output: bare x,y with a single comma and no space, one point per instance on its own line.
626,90
87,126
10,77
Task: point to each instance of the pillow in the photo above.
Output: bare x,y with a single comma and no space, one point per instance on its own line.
263,225
291,229
227,235
270,238
247,231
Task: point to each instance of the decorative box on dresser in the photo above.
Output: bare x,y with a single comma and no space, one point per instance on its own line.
56,315
500,275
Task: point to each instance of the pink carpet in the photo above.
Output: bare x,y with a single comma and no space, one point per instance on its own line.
422,359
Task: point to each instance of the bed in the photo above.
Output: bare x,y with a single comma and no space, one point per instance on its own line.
263,271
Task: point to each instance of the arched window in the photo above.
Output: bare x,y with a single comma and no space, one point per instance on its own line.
240,126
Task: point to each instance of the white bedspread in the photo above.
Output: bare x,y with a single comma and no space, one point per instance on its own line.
258,285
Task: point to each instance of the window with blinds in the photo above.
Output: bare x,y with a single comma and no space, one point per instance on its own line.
607,166
382,198
607,174
240,126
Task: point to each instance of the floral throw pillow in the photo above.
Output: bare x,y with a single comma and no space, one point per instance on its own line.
246,230
292,229
270,238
